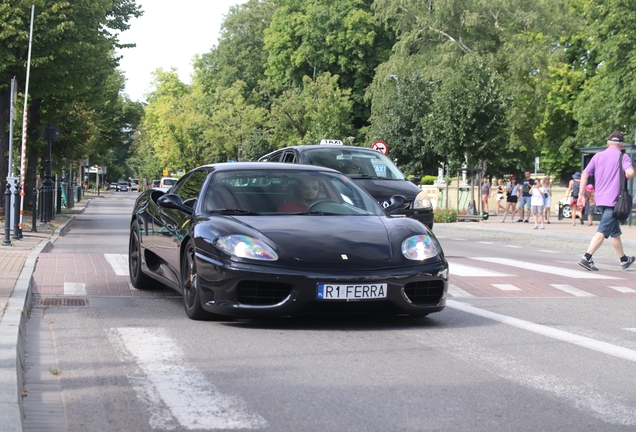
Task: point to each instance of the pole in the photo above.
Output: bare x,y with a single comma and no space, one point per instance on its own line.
24,122
14,90
7,217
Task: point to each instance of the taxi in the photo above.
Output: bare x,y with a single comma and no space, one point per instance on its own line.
369,168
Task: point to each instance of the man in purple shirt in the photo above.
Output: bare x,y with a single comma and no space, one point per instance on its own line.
604,166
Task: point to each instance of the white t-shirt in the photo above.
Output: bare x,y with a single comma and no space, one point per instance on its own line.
537,197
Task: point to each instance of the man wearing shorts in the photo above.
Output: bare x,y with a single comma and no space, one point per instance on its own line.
526,196
604,166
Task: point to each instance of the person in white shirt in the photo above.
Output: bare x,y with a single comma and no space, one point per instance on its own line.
536,203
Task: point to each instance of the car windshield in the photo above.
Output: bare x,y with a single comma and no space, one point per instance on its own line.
355,162
169,182
285,192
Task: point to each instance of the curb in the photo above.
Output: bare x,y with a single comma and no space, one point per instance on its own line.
13,334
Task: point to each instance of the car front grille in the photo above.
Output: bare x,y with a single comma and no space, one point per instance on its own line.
262,293
425,292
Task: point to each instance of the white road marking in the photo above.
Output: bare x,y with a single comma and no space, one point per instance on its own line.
506,287
485,242
178,395
630,329
119,263
542,268
571,290
456,291
581,396
458,239
548,251
513,246
74,289
585,342
622,289
464,270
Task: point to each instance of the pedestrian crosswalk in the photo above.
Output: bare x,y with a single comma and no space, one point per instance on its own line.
505,277
478,276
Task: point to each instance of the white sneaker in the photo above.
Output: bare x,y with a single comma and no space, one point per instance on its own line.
536,227
542,227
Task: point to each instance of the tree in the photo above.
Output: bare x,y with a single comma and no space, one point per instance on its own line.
318,110
73,46
342,38
468,114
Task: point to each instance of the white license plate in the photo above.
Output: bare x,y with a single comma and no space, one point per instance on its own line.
328,291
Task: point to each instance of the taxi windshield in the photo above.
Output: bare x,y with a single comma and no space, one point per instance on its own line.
354,162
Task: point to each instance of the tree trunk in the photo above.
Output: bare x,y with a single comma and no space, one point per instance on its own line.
33,153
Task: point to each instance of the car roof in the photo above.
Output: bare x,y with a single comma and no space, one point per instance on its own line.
329,146
269,166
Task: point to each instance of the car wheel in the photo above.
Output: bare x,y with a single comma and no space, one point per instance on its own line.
138,278
190,286
567,211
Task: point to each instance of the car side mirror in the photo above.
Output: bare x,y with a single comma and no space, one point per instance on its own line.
173,201
396,202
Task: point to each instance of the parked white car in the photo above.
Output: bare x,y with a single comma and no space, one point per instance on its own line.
167,182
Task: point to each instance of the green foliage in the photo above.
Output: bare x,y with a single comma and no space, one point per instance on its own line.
428,180
468,115
320,109
445,216
312,38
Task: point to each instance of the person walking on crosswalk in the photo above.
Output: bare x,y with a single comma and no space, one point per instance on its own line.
605,168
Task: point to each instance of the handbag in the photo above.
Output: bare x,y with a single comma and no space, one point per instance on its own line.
623,207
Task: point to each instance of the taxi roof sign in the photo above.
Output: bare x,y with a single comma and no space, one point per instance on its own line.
332,142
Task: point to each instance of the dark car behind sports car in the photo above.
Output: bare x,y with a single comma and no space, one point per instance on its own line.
225,238
375,172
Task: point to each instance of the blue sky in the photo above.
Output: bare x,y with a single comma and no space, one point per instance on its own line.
169,34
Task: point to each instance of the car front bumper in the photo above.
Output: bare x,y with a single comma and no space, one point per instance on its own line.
262,291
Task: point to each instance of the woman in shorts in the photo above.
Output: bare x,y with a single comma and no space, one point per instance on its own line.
512,191
501,196
547,198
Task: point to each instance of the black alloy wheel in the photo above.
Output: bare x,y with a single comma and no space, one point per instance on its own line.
189,286
138,278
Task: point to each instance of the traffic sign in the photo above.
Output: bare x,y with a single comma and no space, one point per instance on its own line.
381,147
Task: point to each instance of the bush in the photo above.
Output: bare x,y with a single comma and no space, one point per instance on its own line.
445,216
428,180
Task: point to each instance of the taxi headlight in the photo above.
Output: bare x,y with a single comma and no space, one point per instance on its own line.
242,246
419,247
422,201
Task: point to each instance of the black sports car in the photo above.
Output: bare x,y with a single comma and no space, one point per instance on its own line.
254,239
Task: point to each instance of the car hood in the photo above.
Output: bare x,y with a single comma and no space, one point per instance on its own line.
382,190
326,238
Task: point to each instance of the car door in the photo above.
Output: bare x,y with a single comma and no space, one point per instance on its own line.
175,223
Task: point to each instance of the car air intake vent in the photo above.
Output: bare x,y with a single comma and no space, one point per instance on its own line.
425,292
262,293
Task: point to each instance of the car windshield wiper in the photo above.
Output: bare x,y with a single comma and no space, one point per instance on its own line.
233,211
355,176
320,213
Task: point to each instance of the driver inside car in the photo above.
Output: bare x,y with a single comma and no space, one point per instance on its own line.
305,193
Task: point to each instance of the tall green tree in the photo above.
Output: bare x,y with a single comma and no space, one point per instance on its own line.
73,53
342,38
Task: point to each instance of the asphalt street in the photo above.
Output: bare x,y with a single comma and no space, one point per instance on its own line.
529,341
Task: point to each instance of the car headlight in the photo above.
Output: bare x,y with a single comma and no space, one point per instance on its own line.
246,247
419,247
422,201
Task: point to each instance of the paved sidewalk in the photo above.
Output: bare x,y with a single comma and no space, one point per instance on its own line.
17,263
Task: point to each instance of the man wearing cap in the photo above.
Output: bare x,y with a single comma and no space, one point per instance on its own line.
604,166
